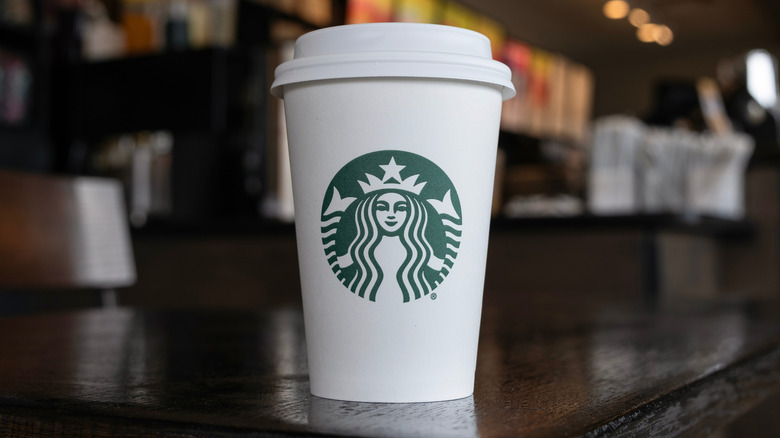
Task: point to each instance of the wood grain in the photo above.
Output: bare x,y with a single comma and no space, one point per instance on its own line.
543,370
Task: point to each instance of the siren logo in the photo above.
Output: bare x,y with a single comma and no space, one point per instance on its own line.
391,226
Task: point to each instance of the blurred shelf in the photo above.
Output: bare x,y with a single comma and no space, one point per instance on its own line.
695,225
20,37
699,225
185,91
15,128
252,14
219,228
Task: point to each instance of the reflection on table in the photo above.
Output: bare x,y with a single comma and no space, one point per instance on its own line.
546,368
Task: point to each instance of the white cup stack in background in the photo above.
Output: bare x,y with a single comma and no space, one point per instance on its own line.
716,175
662,169
612,174
639,169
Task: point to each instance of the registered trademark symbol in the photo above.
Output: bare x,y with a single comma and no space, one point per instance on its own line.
433,296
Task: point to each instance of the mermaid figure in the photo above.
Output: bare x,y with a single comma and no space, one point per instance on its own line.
390,251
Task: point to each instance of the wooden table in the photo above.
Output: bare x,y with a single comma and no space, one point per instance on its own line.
548,366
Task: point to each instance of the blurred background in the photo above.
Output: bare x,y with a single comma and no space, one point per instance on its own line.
638,162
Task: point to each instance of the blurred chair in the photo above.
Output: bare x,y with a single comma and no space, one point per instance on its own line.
61,239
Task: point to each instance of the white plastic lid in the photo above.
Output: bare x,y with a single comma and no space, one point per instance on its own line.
393,50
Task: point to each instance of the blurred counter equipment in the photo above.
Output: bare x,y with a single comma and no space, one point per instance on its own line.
544,206
60,236
749,87
638,169
143,163
15,88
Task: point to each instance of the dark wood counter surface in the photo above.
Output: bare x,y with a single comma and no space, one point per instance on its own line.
554,366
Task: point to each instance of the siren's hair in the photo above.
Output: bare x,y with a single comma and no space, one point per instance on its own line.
368,274
411,275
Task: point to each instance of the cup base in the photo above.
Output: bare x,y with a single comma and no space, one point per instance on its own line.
399,400
400,392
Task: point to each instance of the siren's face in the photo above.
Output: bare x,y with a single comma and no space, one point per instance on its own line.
391,211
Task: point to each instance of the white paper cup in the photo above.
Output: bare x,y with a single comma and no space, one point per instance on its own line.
393,131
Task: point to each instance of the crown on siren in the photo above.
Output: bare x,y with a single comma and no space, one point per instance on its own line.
391,180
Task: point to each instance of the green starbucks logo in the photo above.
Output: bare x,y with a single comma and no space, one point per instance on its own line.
391,226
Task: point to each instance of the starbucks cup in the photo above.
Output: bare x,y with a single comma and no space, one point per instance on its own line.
392,130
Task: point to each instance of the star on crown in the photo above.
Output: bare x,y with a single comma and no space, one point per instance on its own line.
391,180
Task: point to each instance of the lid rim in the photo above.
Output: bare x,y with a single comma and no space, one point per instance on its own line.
386,50
506,91
394,64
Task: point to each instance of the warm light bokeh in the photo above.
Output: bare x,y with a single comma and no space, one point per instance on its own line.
616,9
663,35
646,32
638,17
